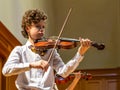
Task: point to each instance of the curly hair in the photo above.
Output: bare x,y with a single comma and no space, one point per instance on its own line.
31,16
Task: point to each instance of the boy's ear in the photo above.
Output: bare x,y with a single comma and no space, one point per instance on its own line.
24,33
27,29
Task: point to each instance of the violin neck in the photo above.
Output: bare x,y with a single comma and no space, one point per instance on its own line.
69,39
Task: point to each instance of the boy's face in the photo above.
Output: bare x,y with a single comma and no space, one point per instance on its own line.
36,31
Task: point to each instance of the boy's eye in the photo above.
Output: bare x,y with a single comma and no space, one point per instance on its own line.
40,27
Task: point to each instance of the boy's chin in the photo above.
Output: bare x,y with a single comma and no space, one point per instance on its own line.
39,38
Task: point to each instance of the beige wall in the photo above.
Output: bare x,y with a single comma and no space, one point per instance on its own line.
13,10
95,19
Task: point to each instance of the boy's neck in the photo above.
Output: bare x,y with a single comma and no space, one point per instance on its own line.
31,40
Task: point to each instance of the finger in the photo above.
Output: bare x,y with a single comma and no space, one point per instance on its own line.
87,42
80,39
46,68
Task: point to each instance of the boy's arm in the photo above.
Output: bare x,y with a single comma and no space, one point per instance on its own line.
75,81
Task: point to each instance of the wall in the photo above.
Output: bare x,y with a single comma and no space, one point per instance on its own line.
118,34
12,14
97,20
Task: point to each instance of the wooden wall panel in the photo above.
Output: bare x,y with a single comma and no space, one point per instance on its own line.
94,85
7,43
113,84
0,73
103,79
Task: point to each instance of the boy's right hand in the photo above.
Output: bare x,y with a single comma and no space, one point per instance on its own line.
42,64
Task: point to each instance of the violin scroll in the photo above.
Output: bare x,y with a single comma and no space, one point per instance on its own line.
99,46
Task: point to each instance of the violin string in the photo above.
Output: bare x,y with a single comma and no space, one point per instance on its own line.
59,35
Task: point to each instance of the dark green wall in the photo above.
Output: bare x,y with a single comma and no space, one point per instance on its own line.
97,20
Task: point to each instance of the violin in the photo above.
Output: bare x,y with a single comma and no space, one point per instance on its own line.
63,43
60,80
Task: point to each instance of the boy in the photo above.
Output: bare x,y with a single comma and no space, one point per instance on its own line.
33,70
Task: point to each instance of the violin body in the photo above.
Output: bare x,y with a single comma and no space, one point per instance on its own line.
63,43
